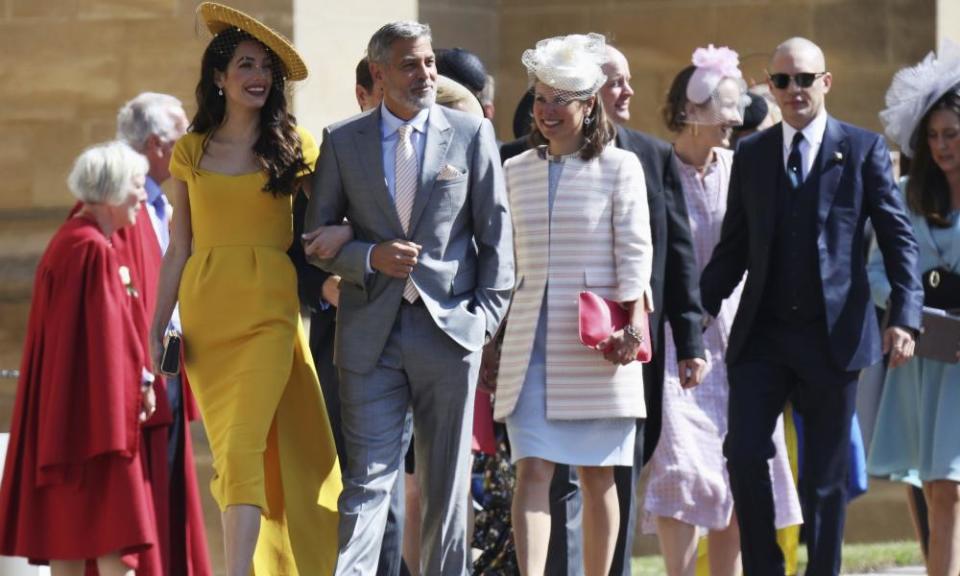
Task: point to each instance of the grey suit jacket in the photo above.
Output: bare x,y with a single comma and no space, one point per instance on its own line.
465,272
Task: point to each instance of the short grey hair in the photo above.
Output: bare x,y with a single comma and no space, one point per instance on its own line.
489,89
378,50
102,173
147,114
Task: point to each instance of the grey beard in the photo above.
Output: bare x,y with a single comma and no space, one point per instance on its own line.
422,102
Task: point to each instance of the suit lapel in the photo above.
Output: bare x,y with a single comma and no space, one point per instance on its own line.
369,145
830,164
435,148
622,139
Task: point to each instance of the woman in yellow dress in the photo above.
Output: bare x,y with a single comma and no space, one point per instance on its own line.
276,475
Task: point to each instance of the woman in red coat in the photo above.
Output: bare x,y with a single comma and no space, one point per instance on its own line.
73,492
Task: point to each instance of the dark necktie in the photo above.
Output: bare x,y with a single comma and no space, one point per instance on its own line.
795,162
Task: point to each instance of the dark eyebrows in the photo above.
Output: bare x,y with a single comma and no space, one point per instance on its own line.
415,58
267,60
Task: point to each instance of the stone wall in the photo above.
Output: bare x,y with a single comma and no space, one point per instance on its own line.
332,36
470,24
865,41
69,64
67,67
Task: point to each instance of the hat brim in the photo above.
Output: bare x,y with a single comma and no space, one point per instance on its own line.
218,18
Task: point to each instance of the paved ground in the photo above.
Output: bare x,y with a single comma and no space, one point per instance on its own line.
906,571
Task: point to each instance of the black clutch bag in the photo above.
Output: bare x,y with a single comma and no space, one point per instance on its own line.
170,362
941,289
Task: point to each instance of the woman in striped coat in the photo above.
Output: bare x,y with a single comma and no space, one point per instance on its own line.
581,223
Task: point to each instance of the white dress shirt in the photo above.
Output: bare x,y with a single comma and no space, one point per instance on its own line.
812,139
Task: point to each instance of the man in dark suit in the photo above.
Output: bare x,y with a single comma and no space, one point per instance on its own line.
676,297
800,195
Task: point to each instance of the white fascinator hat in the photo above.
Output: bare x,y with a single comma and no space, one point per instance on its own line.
571,65
915,90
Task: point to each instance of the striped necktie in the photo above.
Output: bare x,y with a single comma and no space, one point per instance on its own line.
407,178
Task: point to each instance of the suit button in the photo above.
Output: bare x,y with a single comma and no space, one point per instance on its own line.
794,308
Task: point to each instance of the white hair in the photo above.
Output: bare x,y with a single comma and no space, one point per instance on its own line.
102,173
148,114
378,50
487,94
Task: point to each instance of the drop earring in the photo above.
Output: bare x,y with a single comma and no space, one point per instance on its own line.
220,91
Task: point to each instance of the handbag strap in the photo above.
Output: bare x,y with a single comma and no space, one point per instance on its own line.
941,252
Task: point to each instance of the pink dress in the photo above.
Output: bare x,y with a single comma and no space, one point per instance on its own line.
687,472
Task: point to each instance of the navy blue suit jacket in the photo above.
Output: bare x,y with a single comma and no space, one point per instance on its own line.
856,183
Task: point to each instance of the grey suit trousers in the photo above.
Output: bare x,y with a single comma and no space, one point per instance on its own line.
423,368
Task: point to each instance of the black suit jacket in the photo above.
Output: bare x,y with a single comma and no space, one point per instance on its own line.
856,184
673,282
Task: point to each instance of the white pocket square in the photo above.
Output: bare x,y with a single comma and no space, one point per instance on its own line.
449,172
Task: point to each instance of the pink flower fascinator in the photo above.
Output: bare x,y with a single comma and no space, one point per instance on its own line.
713,65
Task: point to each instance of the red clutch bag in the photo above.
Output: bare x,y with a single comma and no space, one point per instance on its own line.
599,318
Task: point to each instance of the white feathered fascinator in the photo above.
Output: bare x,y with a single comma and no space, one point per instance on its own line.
915,90
569,64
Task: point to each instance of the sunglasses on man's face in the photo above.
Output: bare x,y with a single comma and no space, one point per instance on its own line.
781,81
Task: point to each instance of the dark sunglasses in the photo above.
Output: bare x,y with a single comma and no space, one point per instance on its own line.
781,81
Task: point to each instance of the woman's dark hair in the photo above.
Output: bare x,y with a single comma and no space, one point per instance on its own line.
597,132
928,193
278,148
675,110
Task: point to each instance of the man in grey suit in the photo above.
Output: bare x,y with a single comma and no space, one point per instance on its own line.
426,282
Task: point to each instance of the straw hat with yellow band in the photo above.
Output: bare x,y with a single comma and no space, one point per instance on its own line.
218,18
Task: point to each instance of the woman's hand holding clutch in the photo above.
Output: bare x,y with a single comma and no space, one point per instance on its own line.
620,347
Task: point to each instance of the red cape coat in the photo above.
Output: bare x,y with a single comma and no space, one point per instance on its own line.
179,512
73,485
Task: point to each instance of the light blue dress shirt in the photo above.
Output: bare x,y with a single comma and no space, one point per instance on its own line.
160,211
158,208
389,136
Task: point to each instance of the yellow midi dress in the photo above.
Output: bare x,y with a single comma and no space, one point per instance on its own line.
250,367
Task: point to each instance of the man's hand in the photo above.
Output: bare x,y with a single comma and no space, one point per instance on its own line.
899,344
331,290
395,258
326,241
691,371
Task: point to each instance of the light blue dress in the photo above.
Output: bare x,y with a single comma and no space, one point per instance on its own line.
917,433
599,442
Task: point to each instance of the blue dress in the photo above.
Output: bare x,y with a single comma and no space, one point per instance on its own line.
598,442
917,432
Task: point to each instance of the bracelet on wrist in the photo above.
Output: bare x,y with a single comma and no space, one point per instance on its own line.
633,333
